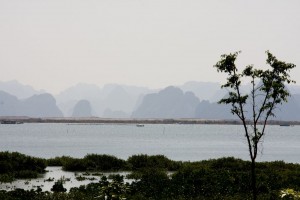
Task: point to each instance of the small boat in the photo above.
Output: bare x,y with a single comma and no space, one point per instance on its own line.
284,125
140,125
11,122
8,122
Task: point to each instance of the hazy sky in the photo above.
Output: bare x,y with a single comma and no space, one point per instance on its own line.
54,44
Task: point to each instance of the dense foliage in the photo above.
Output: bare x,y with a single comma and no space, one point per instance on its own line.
139,162
94,162
16,165
91,162
58,187
224,178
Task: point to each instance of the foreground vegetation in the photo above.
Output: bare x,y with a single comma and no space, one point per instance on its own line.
225,178
15,165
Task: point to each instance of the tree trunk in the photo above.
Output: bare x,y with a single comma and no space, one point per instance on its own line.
253,179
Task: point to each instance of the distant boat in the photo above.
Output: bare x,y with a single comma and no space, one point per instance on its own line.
8,122
284,125
140,125
11,122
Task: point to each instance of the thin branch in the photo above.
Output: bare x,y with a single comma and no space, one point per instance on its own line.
243,116
262,107
267,116
254,118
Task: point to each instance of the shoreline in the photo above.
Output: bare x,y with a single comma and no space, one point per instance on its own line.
98,120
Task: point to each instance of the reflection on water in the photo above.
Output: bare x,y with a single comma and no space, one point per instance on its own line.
54,174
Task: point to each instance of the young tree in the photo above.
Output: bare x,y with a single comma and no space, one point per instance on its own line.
267,92
58,186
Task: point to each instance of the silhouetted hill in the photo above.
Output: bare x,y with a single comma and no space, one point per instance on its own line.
170,102
43,105
9,104
289,111
79,92
18,89
297,99
68,98
113,97
207,110
203,90
82,109
122,101
119,99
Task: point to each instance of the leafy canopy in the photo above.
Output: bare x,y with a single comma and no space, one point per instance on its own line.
268,90
272,84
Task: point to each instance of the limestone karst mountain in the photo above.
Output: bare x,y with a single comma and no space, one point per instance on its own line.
203,90
289,111
82,109
42,105
170,102
112,97
18,89
122,101
9,104
208,110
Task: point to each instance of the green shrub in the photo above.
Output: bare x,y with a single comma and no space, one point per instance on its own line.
141,161
58,187
16,165
104,163
58,161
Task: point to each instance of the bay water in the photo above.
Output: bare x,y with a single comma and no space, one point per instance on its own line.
176,141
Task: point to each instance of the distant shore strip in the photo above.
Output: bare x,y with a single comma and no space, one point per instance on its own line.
96,120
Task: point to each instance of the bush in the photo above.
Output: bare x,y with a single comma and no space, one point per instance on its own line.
224,178
18,165
138,162
104,163
74,164
6,178
58,187
154,184
58,161
92,162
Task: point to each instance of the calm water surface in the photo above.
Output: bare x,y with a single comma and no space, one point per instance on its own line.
53,174
177,142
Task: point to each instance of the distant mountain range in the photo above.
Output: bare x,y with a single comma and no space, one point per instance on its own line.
111,100
190,100
82,109
170,102
19,90
42,105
